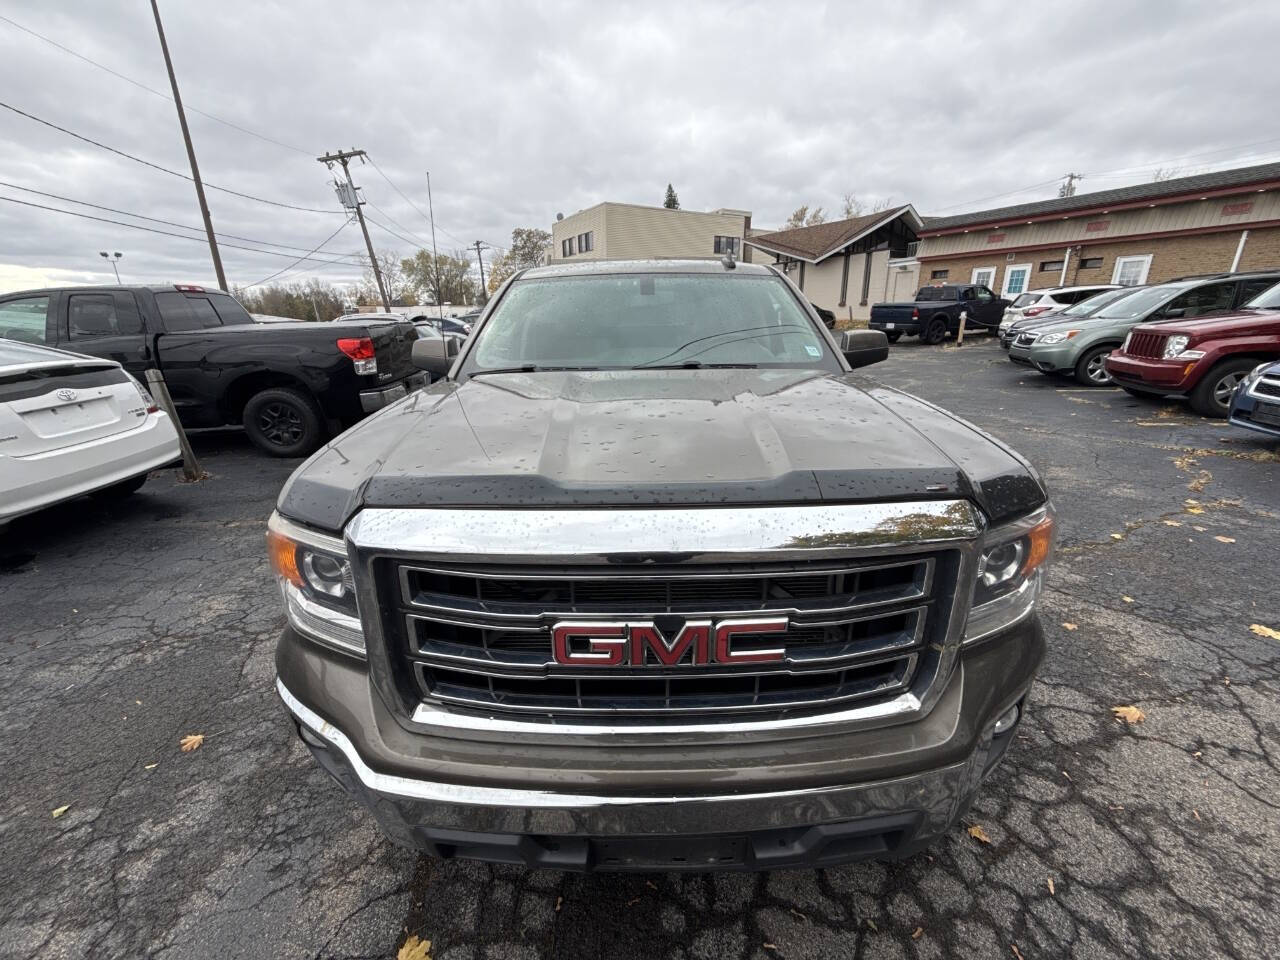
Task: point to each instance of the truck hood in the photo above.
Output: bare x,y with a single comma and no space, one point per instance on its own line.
1236,324
688,437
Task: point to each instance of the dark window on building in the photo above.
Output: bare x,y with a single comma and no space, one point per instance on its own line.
567,247
586,242
727,245
1090,263
1051,265
939,274
95,315
572,249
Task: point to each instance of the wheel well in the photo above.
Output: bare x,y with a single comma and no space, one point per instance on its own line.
238,394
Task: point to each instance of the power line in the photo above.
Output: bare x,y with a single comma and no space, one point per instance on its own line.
167,223
166,233
142,86
346,223
156,166
387,229
415,207
418,240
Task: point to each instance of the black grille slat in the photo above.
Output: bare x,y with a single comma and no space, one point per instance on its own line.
480,637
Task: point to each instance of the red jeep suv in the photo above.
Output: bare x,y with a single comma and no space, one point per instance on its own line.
1203,359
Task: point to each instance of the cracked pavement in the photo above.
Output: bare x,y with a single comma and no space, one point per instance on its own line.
126,627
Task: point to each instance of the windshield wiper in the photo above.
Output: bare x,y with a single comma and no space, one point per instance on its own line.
528,368
698,365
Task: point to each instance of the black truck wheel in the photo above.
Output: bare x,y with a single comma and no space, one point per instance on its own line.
284,422
935,331
1212,395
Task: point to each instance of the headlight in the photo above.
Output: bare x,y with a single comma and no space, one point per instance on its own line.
316,582
1058,337
1010,574
1254,375
1174,346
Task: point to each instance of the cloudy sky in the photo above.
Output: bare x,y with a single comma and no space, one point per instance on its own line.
520,110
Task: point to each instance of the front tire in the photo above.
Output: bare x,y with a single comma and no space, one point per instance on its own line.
1090,369
283,422
935,332
1212,395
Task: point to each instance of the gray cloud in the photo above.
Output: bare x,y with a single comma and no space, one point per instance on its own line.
523,110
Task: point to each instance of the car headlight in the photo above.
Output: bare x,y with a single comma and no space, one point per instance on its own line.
1010,574
1058,337
1174,346
1254,375
315,580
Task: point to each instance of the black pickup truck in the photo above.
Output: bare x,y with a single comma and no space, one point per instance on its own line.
290,384
936,310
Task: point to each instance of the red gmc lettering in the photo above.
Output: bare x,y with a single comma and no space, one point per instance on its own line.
606,643
726,630
695,633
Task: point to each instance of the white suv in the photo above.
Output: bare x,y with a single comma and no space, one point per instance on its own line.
1033,303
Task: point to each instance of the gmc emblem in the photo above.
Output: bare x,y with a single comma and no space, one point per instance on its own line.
642,644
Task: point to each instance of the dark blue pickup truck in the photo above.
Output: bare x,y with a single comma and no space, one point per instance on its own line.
936,312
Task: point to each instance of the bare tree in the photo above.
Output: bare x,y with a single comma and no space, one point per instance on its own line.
400,288
803,217
851,205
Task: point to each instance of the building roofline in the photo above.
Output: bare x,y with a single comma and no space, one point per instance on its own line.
889,217
718,212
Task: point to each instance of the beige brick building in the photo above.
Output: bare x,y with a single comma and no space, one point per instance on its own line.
847,265
629,231
1209,223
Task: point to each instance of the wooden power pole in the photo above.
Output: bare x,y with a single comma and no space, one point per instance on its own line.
479,245
343,157
191,152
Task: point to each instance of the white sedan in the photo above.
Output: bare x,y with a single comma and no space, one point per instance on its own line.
71,425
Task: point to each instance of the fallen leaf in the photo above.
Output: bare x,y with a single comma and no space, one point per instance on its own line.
797,913
138,702
917,933
1225,539
1197,754
1127,599
1199,529
633,902
1172,523
559,903
1226,681
872,924
1067,775
979,834
59,811
1117,536
1195,509
191,742
1196,813
1016,952
1052,893
1129,715
1262,631
651,885
414,949
769,946
1071,626
150,766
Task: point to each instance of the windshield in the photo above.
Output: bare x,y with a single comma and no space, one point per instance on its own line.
1027,299
627,321
1092,305
1140,303
1268,299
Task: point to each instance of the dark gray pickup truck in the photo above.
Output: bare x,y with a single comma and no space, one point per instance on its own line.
651,580
936,312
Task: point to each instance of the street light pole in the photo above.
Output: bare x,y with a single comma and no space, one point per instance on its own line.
112,260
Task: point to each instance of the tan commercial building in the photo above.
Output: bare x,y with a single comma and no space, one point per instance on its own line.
1150,233
846,265
628,231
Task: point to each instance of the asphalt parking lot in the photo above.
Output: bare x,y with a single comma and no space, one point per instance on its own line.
126,629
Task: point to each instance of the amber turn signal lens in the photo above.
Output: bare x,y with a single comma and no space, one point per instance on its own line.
1039,540
284,557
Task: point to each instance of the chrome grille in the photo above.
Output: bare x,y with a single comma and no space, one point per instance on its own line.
1267,386
1149,345
479,636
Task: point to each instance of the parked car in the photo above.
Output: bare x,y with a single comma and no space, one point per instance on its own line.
72,425
936,311
1080,347
1035,303
1255,404
456,325
1202,360
1009,328
649,506
290,384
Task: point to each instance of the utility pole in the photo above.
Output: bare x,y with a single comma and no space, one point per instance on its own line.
191,153
343,157
1068,188
484,294
435,254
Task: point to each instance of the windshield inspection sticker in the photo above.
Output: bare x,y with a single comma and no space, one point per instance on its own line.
812,350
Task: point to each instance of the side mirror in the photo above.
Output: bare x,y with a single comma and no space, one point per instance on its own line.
864,347
434,356
1172,313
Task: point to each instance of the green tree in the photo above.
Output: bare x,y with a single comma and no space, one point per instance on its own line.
672,202
442,279
529,246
